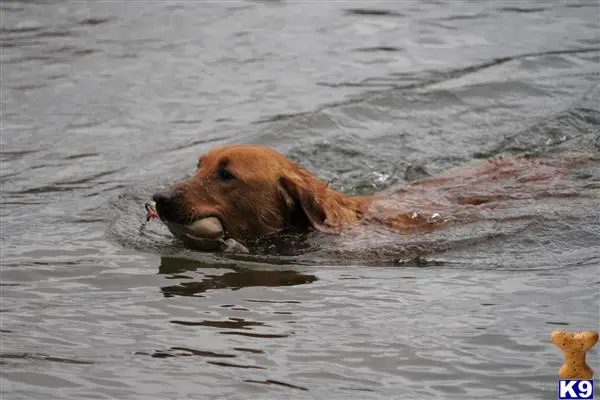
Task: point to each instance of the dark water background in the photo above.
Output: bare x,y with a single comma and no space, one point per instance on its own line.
103,102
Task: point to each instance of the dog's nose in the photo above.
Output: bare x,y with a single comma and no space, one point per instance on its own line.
168,204
166,195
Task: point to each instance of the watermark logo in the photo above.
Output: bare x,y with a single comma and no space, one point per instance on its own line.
575,345
575,389
576,382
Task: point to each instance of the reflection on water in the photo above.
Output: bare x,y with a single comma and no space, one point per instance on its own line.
185,352
241,277
7,357
233,323
273,382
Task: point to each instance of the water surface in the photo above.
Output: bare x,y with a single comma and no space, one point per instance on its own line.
104,102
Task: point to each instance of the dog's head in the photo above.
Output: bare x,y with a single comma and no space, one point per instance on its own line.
243,192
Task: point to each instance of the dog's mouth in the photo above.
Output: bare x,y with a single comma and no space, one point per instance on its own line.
204,233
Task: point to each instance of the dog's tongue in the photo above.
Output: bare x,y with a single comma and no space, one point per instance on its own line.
206,228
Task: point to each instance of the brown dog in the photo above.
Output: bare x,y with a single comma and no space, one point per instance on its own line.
244,192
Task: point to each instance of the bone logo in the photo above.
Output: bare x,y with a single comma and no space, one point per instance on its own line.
576,382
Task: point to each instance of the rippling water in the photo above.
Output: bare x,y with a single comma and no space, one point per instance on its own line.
103,102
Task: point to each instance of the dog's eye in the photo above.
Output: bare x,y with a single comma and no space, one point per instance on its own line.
225,175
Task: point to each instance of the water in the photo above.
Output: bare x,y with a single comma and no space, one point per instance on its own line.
104,102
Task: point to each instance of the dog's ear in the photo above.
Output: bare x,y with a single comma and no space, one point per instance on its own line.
300,192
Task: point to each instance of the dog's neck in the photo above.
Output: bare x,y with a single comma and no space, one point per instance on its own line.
323,208
341,209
